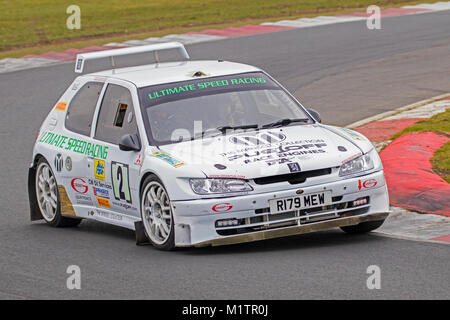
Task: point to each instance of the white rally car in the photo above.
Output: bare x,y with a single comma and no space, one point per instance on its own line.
197,153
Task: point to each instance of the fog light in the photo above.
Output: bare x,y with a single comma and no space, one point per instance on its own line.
226,223
360,201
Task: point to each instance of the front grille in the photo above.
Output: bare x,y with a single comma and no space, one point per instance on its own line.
293,178
263,220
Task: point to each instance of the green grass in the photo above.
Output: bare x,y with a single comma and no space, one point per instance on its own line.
441,162
439,123
36,23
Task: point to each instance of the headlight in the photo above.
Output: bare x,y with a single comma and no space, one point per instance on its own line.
358,165
214,186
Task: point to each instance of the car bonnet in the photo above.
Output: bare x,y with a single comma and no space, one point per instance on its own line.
259,153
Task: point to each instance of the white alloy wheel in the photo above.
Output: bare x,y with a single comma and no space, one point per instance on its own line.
156,213
46,191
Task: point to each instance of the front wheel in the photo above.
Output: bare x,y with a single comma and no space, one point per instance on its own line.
47,197
363,227
156,214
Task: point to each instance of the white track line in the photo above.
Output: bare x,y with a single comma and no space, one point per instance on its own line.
387,114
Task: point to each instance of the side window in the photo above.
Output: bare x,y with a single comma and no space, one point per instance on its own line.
82,107
116,117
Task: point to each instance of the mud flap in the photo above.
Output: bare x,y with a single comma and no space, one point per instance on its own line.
35,213
141,237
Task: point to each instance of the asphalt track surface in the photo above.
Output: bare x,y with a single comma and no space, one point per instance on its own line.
345,71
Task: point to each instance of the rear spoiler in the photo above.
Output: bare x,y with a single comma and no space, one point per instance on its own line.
82,57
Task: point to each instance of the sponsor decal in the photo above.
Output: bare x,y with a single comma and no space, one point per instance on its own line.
100,184
68,163
138,161
102,202
238,81
58,162
99,169
79,64
74,145
278,154
367,184
258,138
124,205
294,167
83,199
79,185
353,134
222,207
168,158
109,215
102,193
91,213
61,106
120,181
273,145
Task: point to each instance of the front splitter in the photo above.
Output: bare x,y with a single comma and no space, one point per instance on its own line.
295,230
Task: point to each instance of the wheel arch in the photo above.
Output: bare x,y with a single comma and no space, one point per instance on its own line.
144,176
141,235
35,214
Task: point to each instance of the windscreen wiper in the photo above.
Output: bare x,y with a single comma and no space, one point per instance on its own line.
224,129
284,122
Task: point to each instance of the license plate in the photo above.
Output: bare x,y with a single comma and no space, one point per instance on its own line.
300,202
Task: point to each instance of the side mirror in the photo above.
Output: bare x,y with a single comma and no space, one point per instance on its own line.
315,115
130,142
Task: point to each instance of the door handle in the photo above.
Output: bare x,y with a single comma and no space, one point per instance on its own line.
89,160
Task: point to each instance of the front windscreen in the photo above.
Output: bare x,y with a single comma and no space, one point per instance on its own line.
193,109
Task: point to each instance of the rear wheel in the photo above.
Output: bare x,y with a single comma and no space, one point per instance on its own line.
47,197
363,227
156,214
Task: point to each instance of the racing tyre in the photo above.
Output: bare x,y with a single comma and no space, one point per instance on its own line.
47,197
156,214
363,227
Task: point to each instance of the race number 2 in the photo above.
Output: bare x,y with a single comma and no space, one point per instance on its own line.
120,181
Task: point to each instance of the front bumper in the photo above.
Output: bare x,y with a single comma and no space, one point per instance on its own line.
195,221
290,231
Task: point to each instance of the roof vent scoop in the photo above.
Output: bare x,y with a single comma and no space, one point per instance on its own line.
199,74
